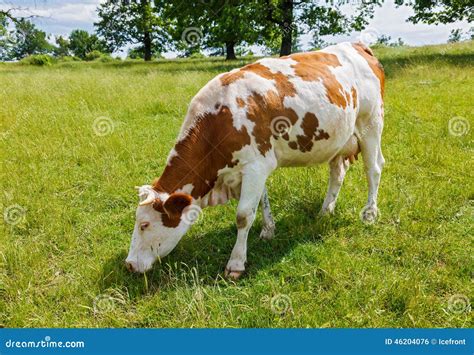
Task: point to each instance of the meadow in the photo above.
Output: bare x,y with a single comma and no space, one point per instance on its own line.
77,137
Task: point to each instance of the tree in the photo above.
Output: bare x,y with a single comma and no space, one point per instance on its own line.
81,43
455,35
284,19
132,22
4,36
219,25
62,47
139,52
26,40
439,11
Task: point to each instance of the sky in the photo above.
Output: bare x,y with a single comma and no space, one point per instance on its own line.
58,17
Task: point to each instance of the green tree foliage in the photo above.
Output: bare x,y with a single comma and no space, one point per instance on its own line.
139,53
136,22
284,19
4,40
219,25
62,47
440,11
81,43
24,40
386,41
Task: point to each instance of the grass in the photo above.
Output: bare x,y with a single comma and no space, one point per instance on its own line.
61,261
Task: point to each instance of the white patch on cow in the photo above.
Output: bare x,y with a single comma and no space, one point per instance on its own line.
187,189
283,66
171,155
363,78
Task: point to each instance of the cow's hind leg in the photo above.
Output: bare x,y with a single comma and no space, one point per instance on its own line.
337,171
370,144
253,184
268,228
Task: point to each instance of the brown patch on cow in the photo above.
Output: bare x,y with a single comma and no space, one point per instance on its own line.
348,98
207,148
241,221
311,132
240,102
293,145
265,111
229,78
373,62
354,97
282,82
168,221
315,66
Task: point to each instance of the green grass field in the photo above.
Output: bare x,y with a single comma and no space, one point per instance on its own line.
68,204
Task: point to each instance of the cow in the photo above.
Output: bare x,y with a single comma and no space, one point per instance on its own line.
299,110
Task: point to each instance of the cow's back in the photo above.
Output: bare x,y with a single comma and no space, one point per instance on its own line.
296,110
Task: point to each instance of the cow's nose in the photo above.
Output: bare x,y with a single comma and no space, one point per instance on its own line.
131,266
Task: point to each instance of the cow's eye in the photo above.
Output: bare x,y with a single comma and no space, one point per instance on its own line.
144,225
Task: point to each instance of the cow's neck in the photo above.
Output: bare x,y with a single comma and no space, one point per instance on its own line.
207,147
180,175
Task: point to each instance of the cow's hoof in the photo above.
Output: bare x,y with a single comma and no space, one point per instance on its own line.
369,214
324,212
233,275
268,232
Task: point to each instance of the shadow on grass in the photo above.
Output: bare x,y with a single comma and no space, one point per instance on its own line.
202,258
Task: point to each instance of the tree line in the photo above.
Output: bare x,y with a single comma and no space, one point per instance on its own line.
220,27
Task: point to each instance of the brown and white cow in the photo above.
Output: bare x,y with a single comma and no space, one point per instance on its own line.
299,110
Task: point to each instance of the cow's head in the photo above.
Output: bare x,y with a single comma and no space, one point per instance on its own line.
161,221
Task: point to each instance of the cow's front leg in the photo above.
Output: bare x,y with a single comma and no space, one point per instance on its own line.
253,185
268,228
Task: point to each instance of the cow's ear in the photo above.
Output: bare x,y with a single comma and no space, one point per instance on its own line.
176,203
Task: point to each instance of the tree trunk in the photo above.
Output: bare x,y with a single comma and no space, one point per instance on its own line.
286,27
147,46
146,28
230,51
